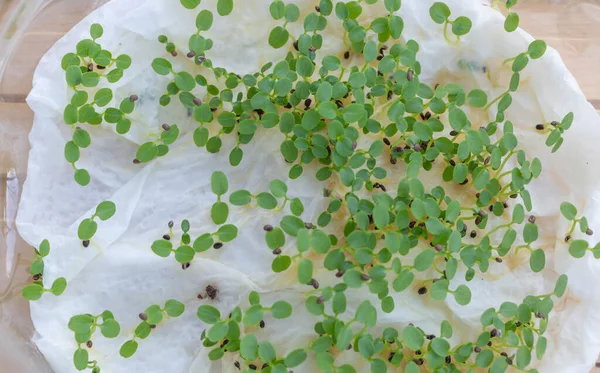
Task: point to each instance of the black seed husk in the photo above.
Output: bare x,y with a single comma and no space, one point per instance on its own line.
314,283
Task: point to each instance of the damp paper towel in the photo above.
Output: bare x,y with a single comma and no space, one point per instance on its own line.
119,271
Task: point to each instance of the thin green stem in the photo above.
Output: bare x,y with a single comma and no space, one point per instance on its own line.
504,162
495,100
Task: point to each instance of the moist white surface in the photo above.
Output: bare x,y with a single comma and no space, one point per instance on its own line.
119,272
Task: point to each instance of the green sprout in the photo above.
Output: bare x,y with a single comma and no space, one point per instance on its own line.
151,317
37,266
158,148
578,248
440,14
268,200
84,326
36,290
88,227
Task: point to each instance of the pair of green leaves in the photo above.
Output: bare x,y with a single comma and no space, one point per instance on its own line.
154,315
159,148
219,211
35,291
440,14
88,227
37,266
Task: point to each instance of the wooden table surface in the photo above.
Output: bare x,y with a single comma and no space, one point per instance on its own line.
573,29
